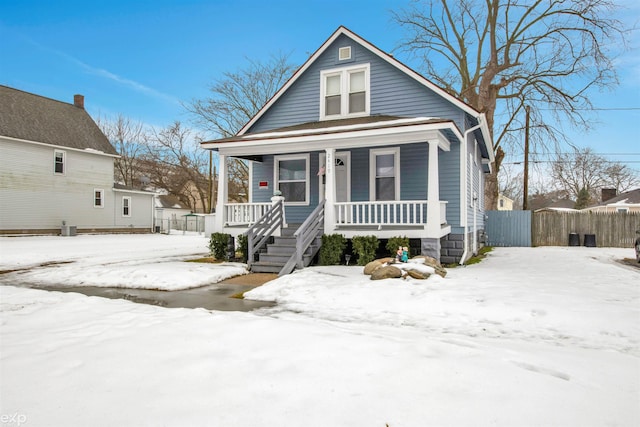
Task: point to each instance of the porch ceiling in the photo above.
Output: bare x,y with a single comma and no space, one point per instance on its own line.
339,134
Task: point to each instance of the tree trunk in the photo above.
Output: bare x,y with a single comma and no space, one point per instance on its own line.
491,187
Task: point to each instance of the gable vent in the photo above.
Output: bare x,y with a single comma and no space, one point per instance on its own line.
344,53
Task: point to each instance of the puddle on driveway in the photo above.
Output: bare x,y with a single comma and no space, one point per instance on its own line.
210,297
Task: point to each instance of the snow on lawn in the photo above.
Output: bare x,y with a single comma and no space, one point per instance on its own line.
530,336
149,261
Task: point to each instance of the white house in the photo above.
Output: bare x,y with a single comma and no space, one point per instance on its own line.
58,168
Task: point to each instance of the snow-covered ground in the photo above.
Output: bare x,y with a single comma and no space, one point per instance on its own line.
530,336
148,261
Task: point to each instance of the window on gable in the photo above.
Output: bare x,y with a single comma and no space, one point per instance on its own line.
58,162
344,53
126,206
384,171
345,92
292,178
98,198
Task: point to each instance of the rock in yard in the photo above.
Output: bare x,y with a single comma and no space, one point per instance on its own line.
417,274
388,272
427,260
372,266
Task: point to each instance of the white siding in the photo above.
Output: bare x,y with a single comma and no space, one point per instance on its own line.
32,196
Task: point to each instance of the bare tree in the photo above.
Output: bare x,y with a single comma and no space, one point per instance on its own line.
129,138
176,163
238,96
584,171
499,56
233,101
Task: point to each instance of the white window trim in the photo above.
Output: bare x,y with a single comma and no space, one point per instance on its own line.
95,190
372,170
127,198
64,162
276,174
344,91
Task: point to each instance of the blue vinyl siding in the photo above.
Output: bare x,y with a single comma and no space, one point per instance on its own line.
263,171
414,160
360,175
392,92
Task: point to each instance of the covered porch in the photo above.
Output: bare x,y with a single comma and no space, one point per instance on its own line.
354,166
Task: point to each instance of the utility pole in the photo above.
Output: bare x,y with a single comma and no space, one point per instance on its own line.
525,195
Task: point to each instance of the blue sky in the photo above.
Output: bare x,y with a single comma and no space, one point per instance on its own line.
143,58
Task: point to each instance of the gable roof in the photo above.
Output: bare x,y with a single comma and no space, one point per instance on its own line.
386,57
628,198
31,117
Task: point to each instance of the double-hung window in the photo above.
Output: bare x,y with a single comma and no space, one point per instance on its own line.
59,158
126,206
292,178
384,174
344,92
98,198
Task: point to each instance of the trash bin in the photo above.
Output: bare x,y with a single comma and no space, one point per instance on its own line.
574,239
157,228
590,240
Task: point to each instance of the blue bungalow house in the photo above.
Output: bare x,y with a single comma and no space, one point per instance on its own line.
357,143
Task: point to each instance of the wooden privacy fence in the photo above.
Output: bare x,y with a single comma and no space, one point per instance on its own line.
524,228
615,229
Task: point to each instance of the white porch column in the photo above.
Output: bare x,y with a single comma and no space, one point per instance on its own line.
433,192
330,191
222,193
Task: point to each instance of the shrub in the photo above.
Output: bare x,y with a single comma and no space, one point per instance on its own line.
394,242
365,247
332,248
218,245
243,247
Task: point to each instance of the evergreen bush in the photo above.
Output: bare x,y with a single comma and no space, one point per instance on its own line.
394,242
332,248
365,247
243,246
218,245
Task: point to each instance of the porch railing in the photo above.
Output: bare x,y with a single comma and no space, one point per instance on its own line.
258,234
244,213
401,212
310,230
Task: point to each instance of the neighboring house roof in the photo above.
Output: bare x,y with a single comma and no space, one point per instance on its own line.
124,188
31,117
623,199
169,202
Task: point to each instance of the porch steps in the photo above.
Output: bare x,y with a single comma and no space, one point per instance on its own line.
278,253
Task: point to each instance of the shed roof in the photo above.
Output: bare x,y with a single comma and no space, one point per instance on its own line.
31,117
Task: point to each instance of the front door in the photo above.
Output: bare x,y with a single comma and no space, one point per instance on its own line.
343,176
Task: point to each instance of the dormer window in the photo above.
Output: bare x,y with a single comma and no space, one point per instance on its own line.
345,92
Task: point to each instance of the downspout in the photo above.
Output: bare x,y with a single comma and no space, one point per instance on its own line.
464,156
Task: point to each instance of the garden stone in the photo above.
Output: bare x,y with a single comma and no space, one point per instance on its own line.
372,266
416,274
388,272
432,262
